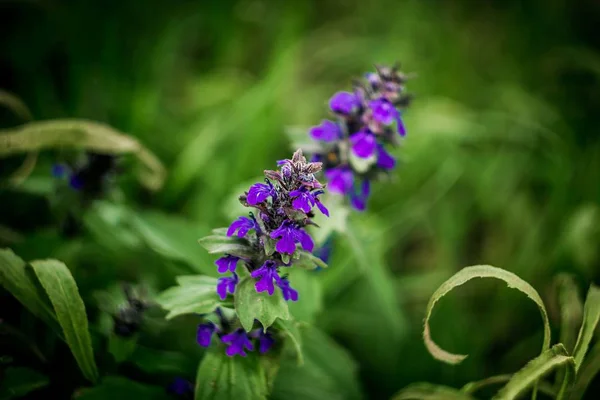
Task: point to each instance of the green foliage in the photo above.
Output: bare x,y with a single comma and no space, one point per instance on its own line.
591,316
119,388
426,391
18,382
194,295
251,305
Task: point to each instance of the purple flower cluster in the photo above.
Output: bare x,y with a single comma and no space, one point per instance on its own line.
353,148
237,340
275,233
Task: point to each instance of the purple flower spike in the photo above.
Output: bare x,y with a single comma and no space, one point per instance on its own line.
205,332
226,284
288,292
288,236
384,112
344,103
267,273
226,263
385,159
359,200
258,193
328,131
363,144
340,180
242,225
237,341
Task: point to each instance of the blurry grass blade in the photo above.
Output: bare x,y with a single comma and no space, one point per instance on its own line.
290,328
571,310
586,373
194,295
230,378
62,290
591,315
15,104
18,382
119,388
79,133
462,277
25,169
473,387
14,278
428,391
526,378
251,305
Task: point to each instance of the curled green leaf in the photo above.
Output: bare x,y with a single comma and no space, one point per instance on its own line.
462,277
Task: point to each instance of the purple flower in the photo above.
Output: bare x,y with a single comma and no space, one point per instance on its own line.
344,103
401,127
363,144
288,292
265,341
288,236
384,112
385,159
259,192
324,252
267,273
359,200
226,284
340,180
242,225
76,182
304,200
226,263
59,170
237,341
328,131
205,332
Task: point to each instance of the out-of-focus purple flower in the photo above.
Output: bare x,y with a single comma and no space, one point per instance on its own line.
359,200
265,341
384,112
242,225
76,182
340,180
267,274
205,332
59,170
181,387
363,144
288,292
344,103
237,340
288,235
400,124
226,284
385,159
259,192
226,263
324,252
328,131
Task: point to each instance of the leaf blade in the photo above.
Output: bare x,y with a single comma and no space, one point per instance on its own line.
591,316
251,305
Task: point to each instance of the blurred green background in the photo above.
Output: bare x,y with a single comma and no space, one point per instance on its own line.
501,164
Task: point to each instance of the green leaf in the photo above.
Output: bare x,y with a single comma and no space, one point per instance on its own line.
119,388
234,246
286,258
310,303
79,133
235,378
291,330
251,305
527,377
473,387
15,279
591,315
427,391
18,381
161,362
62,290
462,277
571,310
194,295
328,372
586,373
269,245
121,347
306,260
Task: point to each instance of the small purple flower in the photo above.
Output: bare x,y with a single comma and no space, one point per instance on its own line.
328,131
267,273
205,332
59,170
303,200
242,225
259,192
237,341
363,144
384,112
344,103
340,180
76,182
226,284
359,200
288,236
288,292
226,263
385,159
265,341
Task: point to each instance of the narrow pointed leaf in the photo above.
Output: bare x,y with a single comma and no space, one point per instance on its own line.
586,373
571,310
591,315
